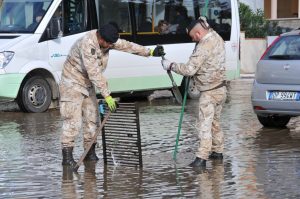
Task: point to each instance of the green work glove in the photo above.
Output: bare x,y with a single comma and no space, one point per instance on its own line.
158,51
112,104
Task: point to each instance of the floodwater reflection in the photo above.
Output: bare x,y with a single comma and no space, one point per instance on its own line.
258,162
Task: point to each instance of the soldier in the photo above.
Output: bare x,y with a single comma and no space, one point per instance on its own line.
82,72
206,65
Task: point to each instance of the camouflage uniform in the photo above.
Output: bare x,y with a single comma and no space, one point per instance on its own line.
82,72
207,66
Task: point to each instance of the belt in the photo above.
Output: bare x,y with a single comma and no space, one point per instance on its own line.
219,86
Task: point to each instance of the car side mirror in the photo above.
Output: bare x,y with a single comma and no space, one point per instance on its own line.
54,29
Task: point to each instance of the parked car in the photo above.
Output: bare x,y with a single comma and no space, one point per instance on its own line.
276,89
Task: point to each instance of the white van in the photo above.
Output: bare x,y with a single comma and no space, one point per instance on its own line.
32,51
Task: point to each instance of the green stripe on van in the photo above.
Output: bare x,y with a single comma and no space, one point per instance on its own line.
153,82
10,84
142,83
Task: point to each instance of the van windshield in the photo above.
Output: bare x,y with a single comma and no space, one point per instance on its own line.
22,16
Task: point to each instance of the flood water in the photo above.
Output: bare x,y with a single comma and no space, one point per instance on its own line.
258,162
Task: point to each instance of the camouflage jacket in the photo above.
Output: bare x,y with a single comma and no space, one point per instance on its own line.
87,61
207,62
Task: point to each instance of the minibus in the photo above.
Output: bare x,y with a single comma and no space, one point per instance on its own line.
36,36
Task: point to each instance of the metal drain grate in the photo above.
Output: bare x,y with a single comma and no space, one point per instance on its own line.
121,137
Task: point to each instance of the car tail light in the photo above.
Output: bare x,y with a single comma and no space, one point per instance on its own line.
259,108
267,50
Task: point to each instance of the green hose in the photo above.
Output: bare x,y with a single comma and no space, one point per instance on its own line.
187,82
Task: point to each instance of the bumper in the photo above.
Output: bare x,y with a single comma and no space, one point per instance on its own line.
277,112
10,84
263,106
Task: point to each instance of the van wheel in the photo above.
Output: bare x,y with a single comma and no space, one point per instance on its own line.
274,121
193,92
34,95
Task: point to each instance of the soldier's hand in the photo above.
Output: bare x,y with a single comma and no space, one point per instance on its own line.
166,64
111,103
158,51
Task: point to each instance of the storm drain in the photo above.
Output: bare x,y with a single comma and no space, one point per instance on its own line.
121,137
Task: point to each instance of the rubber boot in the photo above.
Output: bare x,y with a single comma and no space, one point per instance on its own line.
198,162
91,155
216,156
67,153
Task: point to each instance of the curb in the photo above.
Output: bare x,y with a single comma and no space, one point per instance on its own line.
247,76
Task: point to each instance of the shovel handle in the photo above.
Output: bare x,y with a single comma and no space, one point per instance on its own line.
176,91
171,77
76,167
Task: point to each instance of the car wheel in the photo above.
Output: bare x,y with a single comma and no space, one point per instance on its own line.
193,92
34,95
274,121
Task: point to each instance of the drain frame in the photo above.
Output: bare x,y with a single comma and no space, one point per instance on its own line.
122,127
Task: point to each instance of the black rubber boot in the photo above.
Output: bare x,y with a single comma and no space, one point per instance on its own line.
198,162
216,156
67,153
91,155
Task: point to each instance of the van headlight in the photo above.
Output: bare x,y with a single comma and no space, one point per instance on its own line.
5,58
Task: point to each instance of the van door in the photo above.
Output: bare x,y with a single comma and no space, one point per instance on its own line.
72,19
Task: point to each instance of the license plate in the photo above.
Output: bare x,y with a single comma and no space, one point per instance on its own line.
283,95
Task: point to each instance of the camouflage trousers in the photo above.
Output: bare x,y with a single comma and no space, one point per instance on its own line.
78,112
209,131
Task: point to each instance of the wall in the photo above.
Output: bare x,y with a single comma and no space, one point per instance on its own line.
288,24
250,52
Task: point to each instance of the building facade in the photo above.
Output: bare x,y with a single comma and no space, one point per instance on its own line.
285,12
282,9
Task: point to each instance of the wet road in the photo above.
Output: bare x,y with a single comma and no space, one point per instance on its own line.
258,162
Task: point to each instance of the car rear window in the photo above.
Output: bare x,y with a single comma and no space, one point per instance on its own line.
286,48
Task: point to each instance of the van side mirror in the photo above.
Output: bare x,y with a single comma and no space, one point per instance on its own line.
54,29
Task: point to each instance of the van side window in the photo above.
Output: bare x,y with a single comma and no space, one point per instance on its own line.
218,16
163,18
74,16
115,13
163,22
70,18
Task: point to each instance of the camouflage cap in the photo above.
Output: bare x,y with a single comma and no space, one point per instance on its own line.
109,33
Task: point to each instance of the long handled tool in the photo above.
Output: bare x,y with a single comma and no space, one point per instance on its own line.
91,142
181,117
175,89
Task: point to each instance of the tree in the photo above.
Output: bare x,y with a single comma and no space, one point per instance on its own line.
254,23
